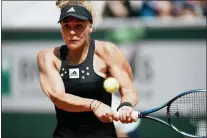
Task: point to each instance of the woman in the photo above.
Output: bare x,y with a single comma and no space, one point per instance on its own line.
72,76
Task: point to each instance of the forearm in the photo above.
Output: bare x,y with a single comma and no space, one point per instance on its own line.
129,95
72,103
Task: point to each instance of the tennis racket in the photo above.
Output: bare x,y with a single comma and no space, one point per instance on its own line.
186,109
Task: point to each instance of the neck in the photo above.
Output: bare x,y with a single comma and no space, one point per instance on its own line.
79,55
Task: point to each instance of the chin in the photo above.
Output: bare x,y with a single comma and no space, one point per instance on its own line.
73,46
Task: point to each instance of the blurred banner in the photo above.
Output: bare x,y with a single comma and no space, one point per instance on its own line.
161,69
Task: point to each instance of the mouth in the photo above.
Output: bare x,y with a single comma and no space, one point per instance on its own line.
73,41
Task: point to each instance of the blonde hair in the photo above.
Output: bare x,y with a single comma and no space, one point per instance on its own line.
84,3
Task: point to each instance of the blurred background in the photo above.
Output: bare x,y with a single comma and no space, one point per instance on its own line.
164,42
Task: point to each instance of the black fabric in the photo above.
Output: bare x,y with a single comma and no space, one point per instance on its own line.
75,11
124,104
86,84
63,52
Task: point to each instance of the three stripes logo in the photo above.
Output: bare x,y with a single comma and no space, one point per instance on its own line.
74,73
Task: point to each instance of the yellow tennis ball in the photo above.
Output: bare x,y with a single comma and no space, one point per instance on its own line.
111,85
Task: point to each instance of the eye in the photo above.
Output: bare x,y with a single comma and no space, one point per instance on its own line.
66,27
79,26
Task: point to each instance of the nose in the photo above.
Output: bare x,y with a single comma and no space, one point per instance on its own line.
72,32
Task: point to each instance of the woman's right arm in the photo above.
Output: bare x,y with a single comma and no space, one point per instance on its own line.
52,85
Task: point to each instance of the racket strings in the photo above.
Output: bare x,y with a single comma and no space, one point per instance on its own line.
188,113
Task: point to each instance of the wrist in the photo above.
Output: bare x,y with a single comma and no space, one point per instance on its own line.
124,104
94,105
90,105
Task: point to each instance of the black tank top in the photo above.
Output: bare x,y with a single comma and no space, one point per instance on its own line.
81,80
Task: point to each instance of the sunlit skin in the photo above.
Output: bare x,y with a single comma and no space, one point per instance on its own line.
76,35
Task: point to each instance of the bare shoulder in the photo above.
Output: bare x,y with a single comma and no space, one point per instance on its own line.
47,56
111,54
105,48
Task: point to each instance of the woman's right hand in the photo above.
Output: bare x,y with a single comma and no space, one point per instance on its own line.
103,112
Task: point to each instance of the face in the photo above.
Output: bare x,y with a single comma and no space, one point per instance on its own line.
75,32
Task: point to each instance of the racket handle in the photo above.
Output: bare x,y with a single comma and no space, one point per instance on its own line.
135,114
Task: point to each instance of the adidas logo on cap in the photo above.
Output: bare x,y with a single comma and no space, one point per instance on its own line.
71,10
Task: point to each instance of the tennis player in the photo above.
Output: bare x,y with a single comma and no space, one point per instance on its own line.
72,77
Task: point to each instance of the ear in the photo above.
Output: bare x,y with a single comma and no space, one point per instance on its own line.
91,28
61,31
60,27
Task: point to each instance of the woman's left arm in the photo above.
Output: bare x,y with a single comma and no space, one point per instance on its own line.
120,69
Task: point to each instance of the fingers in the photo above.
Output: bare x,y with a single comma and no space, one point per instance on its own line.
115,116
125,115
106,115
106,118
129,119
110,119
128,113
103,118
134,117
122,117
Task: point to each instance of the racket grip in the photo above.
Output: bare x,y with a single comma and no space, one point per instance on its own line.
135,114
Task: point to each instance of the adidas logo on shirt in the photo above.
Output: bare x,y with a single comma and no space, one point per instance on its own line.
74,73
71,10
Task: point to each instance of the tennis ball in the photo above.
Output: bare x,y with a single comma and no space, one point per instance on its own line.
111,85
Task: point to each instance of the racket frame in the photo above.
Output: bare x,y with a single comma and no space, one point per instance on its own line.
145,114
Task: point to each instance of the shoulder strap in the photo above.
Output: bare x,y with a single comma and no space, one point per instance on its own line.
63,52
91,50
